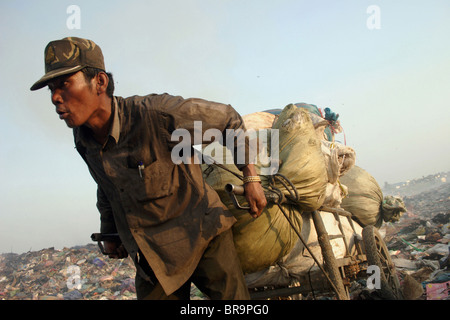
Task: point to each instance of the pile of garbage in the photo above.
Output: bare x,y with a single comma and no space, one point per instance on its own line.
431,202
78,273
419,245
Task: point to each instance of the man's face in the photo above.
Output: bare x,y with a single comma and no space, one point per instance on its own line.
75,99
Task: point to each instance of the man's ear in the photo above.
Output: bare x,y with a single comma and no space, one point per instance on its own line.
102,82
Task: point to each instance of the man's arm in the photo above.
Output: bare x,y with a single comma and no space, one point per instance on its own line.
108,226
184,113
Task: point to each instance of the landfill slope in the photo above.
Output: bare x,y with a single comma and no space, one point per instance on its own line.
417,186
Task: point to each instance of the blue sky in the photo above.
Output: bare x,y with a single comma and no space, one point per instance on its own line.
391,87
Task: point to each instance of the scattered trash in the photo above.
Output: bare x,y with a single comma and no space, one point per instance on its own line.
73,295
412,289
438,291
419,242
79,273
98,262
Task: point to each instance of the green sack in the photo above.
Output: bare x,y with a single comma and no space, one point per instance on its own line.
263,241
365,199
259,242
393,208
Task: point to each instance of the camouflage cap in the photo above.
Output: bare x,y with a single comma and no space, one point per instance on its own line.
67,56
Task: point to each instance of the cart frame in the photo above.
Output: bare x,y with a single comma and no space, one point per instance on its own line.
336,274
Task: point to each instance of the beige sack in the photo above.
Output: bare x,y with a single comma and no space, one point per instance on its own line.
366,202
364,197
301,156
334,194
259,120
339,159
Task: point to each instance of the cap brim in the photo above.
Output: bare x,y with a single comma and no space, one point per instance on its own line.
42,82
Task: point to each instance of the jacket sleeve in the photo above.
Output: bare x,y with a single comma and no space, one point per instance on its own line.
200,120
107,224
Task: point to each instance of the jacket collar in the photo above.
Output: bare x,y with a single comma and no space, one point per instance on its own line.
83,134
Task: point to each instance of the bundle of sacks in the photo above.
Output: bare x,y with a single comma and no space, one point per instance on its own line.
324,174
263,241
349,186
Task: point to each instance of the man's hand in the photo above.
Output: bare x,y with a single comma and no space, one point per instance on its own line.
255,197
254,193
115,250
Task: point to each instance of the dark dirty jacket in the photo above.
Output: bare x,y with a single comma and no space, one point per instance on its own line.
166,211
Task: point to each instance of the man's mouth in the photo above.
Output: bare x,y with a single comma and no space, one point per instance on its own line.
62,114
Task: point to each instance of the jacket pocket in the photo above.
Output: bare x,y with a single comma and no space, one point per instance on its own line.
154,181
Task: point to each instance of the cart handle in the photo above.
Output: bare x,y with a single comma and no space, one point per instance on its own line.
238,190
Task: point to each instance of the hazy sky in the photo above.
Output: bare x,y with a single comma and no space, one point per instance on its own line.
386,72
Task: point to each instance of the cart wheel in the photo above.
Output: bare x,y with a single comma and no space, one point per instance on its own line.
378,254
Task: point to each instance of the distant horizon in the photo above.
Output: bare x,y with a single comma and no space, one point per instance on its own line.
425,176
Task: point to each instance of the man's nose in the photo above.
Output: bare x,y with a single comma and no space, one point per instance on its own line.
56,97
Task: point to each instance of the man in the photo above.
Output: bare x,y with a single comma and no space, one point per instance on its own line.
171,223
